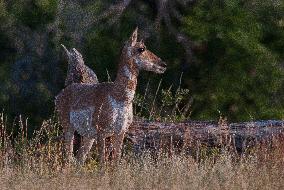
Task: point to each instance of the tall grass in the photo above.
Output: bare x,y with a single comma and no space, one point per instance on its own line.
38,162
170,104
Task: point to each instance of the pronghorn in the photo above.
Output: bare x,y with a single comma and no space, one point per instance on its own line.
99,111
78,72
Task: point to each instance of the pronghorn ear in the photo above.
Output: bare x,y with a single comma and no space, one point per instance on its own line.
133,38
66,50
77,52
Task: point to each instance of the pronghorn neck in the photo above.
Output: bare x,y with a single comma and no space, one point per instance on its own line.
126,80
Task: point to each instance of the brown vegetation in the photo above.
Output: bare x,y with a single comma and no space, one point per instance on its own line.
38,163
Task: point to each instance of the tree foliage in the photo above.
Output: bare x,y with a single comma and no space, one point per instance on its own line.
241,70
229,51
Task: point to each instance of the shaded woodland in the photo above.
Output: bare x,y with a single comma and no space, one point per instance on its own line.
223,56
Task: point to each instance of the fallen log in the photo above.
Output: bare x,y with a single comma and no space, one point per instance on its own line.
184,136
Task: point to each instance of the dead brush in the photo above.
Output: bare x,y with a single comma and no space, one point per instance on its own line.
40,153
38,162
269,150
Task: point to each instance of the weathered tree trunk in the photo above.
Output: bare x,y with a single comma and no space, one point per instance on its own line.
176,137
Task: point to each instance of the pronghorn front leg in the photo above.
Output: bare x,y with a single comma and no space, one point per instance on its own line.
85,148
118,143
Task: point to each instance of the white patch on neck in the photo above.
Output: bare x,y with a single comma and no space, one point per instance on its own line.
127,73
81,120
129,52
129,92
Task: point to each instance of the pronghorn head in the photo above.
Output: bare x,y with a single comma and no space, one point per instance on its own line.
73,56
143,59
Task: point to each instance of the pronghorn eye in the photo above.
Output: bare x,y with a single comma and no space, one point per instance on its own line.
141,50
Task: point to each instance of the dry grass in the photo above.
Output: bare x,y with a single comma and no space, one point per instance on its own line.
38,163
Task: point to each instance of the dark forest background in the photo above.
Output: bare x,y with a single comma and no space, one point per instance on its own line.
229,52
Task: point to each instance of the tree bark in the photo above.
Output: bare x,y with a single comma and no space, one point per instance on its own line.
184,136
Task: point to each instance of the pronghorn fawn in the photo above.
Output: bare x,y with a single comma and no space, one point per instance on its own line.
78,72
103,110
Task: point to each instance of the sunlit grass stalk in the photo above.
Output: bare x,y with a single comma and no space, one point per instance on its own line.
154,100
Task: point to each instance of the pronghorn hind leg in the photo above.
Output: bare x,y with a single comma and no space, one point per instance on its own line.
68,142
84,149
109,149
